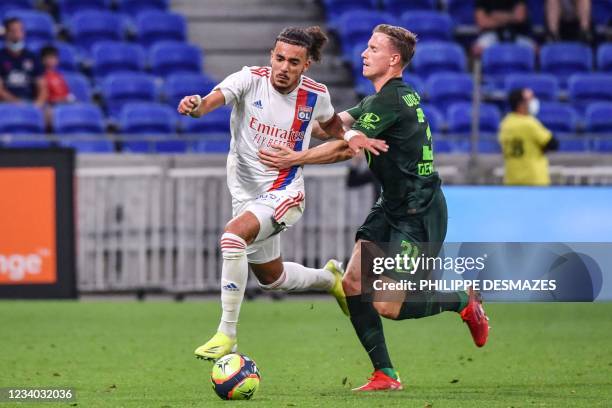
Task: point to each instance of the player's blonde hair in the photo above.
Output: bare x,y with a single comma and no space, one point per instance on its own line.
403,40
311,38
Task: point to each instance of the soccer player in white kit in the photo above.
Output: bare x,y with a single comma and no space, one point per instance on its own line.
272,106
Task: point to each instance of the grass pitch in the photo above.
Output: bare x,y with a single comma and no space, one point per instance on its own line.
139,354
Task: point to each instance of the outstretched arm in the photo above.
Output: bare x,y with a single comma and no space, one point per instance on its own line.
283,157
339,126
195,106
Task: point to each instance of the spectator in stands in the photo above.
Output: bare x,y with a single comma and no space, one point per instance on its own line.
20,70
524,141
501,21
569,20
57,87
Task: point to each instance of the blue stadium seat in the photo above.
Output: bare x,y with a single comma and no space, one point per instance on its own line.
415,81
355,26
68,7
18,4
602,145
428,25
178,86
434,116
89,27
153,120
170,57
558,117
601,11
587,88
598,118
565,59
398,7
355,58
363,86
116,56
38,26
217,121
23,120
545,86
604,57
536,11
68,59
133,7
462,11
436,57
499,60
335,8
212,144
154,25
459,118
120,89
446,89
83,120
489,144
572,143
79,86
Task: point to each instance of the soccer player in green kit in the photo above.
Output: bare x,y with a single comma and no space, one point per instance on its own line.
411,210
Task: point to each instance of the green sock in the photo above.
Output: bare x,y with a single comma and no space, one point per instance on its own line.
423,304
390,372
368,327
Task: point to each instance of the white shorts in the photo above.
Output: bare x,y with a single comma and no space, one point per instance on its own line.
275,211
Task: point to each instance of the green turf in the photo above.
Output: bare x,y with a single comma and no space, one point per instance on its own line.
129,354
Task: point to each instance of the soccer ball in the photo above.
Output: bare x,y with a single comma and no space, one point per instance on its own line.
235,377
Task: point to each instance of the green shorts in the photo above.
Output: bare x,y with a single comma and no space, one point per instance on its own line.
416,235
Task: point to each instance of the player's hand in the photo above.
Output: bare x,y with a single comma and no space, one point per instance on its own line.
280,157
189,104
374,146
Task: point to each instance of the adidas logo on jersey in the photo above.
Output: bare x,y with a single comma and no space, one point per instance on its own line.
258,104
232,287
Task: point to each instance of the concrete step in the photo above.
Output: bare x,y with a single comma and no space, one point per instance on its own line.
238,10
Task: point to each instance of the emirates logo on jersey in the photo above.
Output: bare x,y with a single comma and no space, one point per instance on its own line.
304,113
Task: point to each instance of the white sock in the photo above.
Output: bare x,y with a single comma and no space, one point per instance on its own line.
234,274
298,277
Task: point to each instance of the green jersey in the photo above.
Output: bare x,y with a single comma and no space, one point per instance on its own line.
406,171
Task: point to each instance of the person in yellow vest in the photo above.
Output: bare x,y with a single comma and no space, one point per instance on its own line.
524,141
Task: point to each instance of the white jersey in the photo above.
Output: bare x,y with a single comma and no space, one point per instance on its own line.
263,117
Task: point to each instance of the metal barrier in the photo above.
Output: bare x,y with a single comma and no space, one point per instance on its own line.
150,229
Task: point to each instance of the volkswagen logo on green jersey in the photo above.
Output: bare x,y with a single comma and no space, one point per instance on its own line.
368,120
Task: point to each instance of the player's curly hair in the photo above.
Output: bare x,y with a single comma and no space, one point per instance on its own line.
311,38
403,40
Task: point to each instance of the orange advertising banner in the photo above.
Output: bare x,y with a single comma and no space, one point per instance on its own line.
27,226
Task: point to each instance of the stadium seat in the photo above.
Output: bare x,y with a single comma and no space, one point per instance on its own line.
178,86
436,57
587,88
499,60
335,8
355,26
68,7
545,86
565,59
446,89
398,7
462,11
415,81
153,120
489,144
79,86
601,11
170,57
89,27
216,121
27,122
558,117
212,144
154,25
572,143
363,86
434,116
120,89
38,26
459,118
536,11
598,118
428,25
18,4
83,120
68,59
133,7
604,57
355,58
115,56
